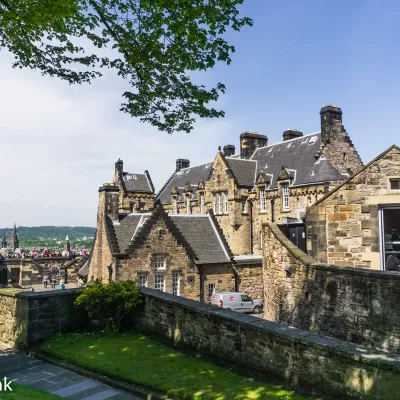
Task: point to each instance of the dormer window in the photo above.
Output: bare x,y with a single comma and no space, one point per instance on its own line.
159,263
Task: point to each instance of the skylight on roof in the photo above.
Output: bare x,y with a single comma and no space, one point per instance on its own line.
266,165
269,151
313,139
289,144
179,172
304,141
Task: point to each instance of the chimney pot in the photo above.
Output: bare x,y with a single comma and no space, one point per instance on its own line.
229,150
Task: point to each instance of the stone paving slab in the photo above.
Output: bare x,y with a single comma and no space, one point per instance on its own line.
22,369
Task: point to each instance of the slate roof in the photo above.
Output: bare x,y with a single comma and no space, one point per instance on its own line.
193,175
137,182
298,155
243,170
200,232
125,229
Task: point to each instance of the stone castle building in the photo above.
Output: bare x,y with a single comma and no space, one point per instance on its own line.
235,194
264,183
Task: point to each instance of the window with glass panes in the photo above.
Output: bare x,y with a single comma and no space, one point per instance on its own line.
285,197
143,280
244,206
159,263
175,283
263,200
201,203
394,185
159,282
188,205
221,203
175,206
211,290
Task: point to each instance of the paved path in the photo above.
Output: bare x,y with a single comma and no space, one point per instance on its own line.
20,368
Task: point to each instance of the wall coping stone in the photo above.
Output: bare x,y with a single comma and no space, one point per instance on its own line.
294,250
335,346
50,293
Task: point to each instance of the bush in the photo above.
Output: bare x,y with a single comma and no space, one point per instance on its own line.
110,302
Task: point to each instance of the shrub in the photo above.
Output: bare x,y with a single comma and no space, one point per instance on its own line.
110,302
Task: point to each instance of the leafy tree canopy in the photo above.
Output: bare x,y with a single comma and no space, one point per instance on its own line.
157,44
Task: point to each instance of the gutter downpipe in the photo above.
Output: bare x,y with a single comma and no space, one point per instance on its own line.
251,227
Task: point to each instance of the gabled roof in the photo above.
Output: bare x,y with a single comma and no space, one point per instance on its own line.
125,229
137,182
298,157
191,175
356,174
200,235
244,171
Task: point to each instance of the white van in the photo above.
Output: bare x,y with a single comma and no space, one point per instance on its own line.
240,302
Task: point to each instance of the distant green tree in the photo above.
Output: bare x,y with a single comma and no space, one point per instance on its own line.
110,302
157,44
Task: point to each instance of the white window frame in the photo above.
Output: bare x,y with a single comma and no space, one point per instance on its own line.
263,201
175,206
159,282
159,263
143,280
225,202
220,203
201,203
390,184
176,283
285,197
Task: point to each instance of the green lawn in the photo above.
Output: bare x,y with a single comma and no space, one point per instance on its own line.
21,392
139,360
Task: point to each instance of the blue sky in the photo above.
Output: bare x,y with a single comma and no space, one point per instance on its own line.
60,142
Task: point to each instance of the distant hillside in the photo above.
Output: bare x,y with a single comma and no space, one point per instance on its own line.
51,235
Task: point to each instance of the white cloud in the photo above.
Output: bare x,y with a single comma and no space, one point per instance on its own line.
60,143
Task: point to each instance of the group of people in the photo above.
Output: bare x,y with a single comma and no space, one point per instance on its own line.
51,276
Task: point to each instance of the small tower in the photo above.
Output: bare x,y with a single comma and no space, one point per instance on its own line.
4,241
67,244
14,244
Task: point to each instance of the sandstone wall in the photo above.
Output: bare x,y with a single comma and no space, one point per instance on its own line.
314,363
251,280
347,303
343,229
28,318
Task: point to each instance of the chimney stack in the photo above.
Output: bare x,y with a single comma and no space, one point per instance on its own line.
250,141
291,134
119,166
330,115
229,150
182,163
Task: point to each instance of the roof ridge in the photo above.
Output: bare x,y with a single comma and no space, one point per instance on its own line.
286,141
165,186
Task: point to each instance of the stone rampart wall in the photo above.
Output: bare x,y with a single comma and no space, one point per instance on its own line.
351,304
28,318
304,360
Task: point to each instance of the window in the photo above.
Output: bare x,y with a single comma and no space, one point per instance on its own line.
263,201
175,206
175,283
261,240
187,205
143,280
221,203
159,282
201,203
244,206
246,298
211,290
394,184
159,264
285,197
225,201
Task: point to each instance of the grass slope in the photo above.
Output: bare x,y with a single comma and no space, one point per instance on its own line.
142,361
21,392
